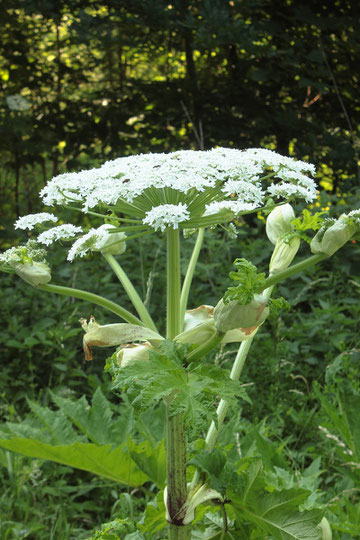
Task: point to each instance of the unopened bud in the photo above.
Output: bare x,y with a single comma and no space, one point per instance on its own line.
199,327
278,222
132,353
234,315
111,243
328,241
283,254
35,273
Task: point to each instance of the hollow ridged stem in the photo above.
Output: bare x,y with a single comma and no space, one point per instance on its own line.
131,292
175,427
179,533
93,299
189,275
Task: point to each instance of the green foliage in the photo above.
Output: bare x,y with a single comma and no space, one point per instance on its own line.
307,221
52,436
113,530
248,280
154,518
192,390
151,460
318,340
278,304
275,513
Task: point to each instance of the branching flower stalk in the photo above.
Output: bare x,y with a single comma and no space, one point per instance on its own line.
190,274
93,299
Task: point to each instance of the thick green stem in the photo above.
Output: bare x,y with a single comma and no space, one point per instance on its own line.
175,427
176,468
295,269
93,299
133,295
179,533
189,275
173,323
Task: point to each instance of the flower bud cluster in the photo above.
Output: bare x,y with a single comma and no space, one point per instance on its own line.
334,235
28,262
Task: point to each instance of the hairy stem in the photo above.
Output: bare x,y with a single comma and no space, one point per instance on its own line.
93,299
189,275
130,289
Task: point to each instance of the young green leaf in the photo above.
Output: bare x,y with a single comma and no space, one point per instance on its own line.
248,283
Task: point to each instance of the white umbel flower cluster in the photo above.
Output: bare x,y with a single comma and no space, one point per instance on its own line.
179,190
61,232
135,185
31,220
167,215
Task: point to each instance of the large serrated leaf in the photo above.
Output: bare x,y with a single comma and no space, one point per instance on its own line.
56,426
152,461
114,464
275,513
94,421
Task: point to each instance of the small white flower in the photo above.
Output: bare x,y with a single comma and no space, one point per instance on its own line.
29,221
286,190
10,254
246,191
355,216
237,207
61,232
28,262
167,215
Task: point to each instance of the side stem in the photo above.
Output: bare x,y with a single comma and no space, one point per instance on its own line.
93,299
130,289
189,275
273,279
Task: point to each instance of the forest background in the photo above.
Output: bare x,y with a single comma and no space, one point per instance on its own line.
114,78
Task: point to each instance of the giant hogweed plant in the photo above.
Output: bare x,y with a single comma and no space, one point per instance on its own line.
177,195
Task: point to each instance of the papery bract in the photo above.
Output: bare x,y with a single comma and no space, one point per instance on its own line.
283,254
34,273
132,353
109,335
199,327
234,315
